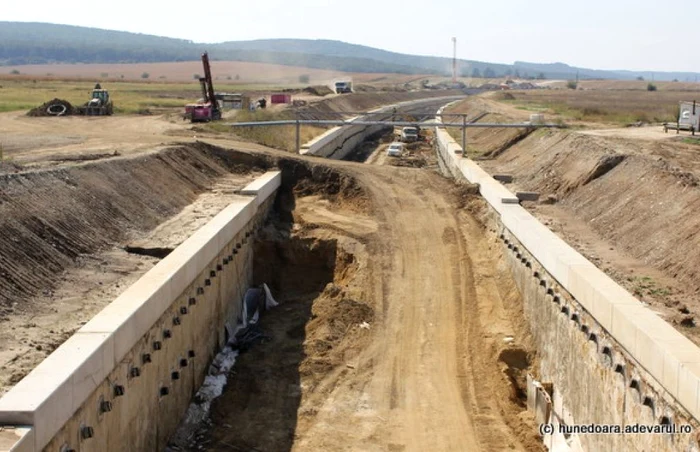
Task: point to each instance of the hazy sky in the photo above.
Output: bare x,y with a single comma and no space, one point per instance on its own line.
598,34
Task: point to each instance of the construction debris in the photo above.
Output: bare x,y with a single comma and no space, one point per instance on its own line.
55,107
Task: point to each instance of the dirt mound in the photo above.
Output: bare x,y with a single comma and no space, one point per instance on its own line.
55,107
318,90
303,179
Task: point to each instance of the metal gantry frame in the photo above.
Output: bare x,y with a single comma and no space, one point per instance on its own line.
361,120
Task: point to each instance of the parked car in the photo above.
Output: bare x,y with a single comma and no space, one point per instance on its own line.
394,150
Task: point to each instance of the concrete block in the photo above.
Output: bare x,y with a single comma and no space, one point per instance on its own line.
43,399
264,186
624,325
17,439
676,352
689,387
649,352
527,195
92,354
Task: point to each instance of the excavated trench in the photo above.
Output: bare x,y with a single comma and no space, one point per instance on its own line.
72,238
306,337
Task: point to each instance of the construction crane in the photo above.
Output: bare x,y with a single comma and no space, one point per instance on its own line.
208,109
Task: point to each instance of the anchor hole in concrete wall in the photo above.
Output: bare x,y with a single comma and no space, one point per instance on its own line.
565,310
86,432
574,317
665,420
620,369
648,401
593,338
607,356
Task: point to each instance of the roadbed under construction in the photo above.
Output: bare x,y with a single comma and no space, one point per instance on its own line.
399,325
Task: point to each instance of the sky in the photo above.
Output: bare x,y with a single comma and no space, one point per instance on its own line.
595,34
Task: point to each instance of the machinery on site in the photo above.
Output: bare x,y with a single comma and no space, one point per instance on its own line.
207,109
343,87
688,118
99,105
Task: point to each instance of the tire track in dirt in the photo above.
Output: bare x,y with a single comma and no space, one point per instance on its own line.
423,383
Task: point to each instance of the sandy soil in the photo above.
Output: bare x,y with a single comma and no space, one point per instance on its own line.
428,370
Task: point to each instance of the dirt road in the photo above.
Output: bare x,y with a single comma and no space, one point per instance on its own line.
429,373
424,392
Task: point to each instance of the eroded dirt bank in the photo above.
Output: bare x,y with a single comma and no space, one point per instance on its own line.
73,238
625,200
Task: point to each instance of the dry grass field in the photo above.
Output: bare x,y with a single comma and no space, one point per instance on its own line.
24,92
223,71
608,106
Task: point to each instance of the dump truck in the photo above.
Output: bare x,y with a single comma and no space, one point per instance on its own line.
207,109
343,87
99,105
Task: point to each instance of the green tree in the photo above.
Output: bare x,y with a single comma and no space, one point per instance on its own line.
476,73
304,78
571,84
489,73
145,75
651,87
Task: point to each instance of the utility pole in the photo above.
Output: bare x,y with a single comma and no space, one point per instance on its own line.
454,60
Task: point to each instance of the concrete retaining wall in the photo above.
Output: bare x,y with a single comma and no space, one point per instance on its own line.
124,380
337,142
611,359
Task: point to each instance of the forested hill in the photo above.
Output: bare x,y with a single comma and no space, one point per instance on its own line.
41,43
38,43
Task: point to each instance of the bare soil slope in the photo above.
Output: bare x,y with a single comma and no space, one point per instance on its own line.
626,200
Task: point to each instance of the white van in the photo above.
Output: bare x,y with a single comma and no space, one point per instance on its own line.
395,149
